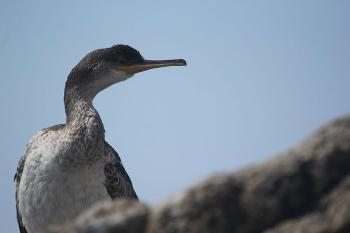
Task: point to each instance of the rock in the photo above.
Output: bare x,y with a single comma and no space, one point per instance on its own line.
306,189
259,198
331,215
123,216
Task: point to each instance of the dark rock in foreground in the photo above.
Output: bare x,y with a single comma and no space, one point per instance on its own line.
124,216
306,189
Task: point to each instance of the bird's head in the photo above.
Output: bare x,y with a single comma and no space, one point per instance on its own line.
104,67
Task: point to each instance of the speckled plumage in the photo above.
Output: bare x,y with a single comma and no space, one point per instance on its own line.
68,167
65,170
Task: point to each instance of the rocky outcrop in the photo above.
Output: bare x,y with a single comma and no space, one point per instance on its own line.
306,189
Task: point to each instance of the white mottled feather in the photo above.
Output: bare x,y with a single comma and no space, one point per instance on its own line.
50,193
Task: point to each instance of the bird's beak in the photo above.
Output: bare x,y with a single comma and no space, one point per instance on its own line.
150,64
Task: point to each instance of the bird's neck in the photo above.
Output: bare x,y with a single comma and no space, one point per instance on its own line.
82,116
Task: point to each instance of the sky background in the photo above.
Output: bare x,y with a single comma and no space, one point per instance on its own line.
261,77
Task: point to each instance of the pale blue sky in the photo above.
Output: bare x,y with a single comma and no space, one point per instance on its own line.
261,76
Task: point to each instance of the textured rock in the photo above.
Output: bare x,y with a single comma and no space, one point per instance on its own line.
331,215
123,216
306,189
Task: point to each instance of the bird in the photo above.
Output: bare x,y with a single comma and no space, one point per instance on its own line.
68,167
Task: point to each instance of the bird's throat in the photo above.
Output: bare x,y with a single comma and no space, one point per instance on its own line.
82,117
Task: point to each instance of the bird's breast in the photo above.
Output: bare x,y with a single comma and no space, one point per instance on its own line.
59,196
50,192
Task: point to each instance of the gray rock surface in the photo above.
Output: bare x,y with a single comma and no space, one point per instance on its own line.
123,216
306,189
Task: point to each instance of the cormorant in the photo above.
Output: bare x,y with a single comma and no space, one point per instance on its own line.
67,168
